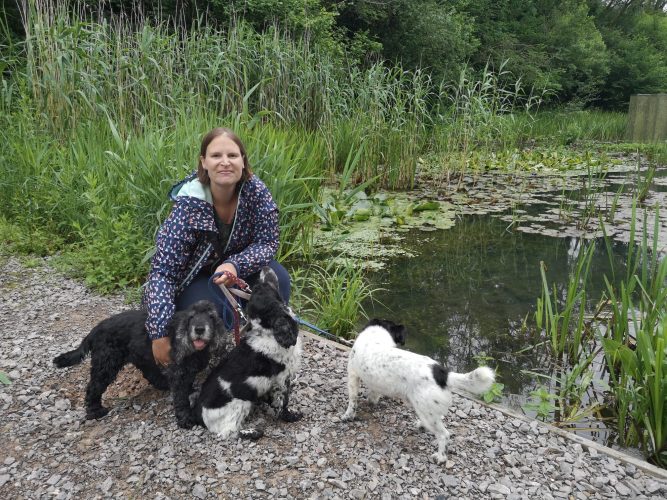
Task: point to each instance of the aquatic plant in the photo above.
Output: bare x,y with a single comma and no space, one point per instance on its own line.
635,347
542,402
629,327
564,324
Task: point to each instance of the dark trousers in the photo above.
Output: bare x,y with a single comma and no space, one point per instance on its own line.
199,290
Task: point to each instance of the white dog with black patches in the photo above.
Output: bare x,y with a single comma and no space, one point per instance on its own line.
419,380
259,369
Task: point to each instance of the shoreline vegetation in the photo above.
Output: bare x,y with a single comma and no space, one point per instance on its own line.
99,116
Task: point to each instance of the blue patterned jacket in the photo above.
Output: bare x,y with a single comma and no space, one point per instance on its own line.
188,237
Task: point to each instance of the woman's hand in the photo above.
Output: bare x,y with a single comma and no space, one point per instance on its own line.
162,351
225,279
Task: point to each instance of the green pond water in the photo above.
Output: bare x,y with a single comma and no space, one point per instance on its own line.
470,288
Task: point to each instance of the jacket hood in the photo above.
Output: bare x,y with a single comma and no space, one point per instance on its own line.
190,186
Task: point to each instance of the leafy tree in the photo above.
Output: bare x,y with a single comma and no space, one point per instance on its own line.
578,52
302,18
550,44
431,34
637,42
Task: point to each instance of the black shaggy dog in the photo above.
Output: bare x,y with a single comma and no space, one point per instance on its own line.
259,369
195,333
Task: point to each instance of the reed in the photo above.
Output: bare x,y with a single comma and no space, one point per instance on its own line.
332,295
136,72
122,103
567,127
631,335
635,347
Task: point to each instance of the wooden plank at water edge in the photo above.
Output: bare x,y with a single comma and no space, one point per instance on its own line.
647,118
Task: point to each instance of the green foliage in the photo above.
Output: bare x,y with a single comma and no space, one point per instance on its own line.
301,18
481,111
583,51
26,238
578,52
332,296
4,379
635,348
637,43
113,254
542,403
495,393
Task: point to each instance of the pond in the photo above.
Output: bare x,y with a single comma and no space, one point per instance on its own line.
469,290
469,293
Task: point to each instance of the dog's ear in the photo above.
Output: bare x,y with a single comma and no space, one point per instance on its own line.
220,340
285,331
177,331
398,333
268,275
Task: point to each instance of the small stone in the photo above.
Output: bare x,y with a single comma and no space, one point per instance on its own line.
499,488
53,480
579,475
301,437
622,489
338,482
106,485
652,486
260,485
62,404
450,481
566,468
199,491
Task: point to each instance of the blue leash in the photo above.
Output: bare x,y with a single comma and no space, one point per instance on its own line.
321,332
228,310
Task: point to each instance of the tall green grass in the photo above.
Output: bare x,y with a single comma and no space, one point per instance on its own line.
137,73
628,328
567,127
100,117
331,296
635,345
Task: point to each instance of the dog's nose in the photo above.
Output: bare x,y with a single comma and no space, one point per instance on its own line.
199,330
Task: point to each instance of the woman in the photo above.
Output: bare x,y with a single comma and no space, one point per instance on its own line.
223,220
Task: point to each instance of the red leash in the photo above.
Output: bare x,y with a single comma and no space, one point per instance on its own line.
244,292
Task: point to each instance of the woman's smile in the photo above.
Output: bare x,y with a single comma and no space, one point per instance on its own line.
223,161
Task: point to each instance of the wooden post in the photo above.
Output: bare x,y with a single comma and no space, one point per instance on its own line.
647,118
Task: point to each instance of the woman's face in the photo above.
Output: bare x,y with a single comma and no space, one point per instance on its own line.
223,162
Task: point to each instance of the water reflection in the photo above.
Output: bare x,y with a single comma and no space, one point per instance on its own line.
470,289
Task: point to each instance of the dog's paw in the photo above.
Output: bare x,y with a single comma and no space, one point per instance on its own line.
418,426
374,398
252,434
439,458
348,416
186,422
290,416
161,386
95,413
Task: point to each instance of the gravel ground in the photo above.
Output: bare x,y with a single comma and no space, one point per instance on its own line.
48,450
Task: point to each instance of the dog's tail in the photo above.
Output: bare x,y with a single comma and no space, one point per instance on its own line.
477,381
75,357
